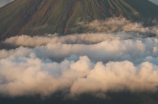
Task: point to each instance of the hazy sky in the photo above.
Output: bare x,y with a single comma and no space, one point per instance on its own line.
155,1
3,2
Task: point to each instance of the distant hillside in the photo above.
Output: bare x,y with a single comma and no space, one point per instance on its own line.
36,17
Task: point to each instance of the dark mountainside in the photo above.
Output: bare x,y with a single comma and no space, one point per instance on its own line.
112,98
37,17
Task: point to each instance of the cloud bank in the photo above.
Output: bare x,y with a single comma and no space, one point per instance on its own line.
121,60
116,25
27,76
85,38
109,29
134,50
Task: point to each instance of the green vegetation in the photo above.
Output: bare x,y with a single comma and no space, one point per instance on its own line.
37,17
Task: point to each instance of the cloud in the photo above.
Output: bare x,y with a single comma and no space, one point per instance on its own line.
95,68
116,25
29,76
85,38
110,29
134,50
93,63
118,76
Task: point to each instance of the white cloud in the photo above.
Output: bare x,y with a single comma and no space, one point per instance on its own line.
134,50
85,38
28,71
28,76
116,25
82,63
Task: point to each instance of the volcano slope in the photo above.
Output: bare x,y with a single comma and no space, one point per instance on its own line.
37,17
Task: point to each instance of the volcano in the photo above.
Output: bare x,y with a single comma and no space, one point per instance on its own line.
37,17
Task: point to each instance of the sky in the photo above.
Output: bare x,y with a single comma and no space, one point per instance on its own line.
155,1
3,2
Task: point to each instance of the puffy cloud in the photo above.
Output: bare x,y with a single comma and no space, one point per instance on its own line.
85,38
28,76
93,63
118,76
134,50
28,71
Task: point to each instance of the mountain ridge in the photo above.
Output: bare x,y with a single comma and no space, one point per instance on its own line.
36,17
